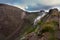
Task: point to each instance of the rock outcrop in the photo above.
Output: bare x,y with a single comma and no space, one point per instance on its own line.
53,14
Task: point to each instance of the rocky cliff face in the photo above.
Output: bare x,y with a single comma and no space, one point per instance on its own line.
53,17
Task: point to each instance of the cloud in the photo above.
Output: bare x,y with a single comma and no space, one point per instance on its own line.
7,1
43,2
39,4
33,4
50,2
38,7
21,6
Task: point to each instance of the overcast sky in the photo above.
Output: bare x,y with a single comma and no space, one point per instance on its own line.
32,5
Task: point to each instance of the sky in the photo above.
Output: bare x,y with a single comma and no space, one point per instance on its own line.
33,5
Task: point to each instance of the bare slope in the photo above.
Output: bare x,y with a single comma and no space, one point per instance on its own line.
11,20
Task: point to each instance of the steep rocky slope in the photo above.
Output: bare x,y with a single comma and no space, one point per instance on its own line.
11,20
49,27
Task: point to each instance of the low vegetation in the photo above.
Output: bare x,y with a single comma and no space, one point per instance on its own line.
50,27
